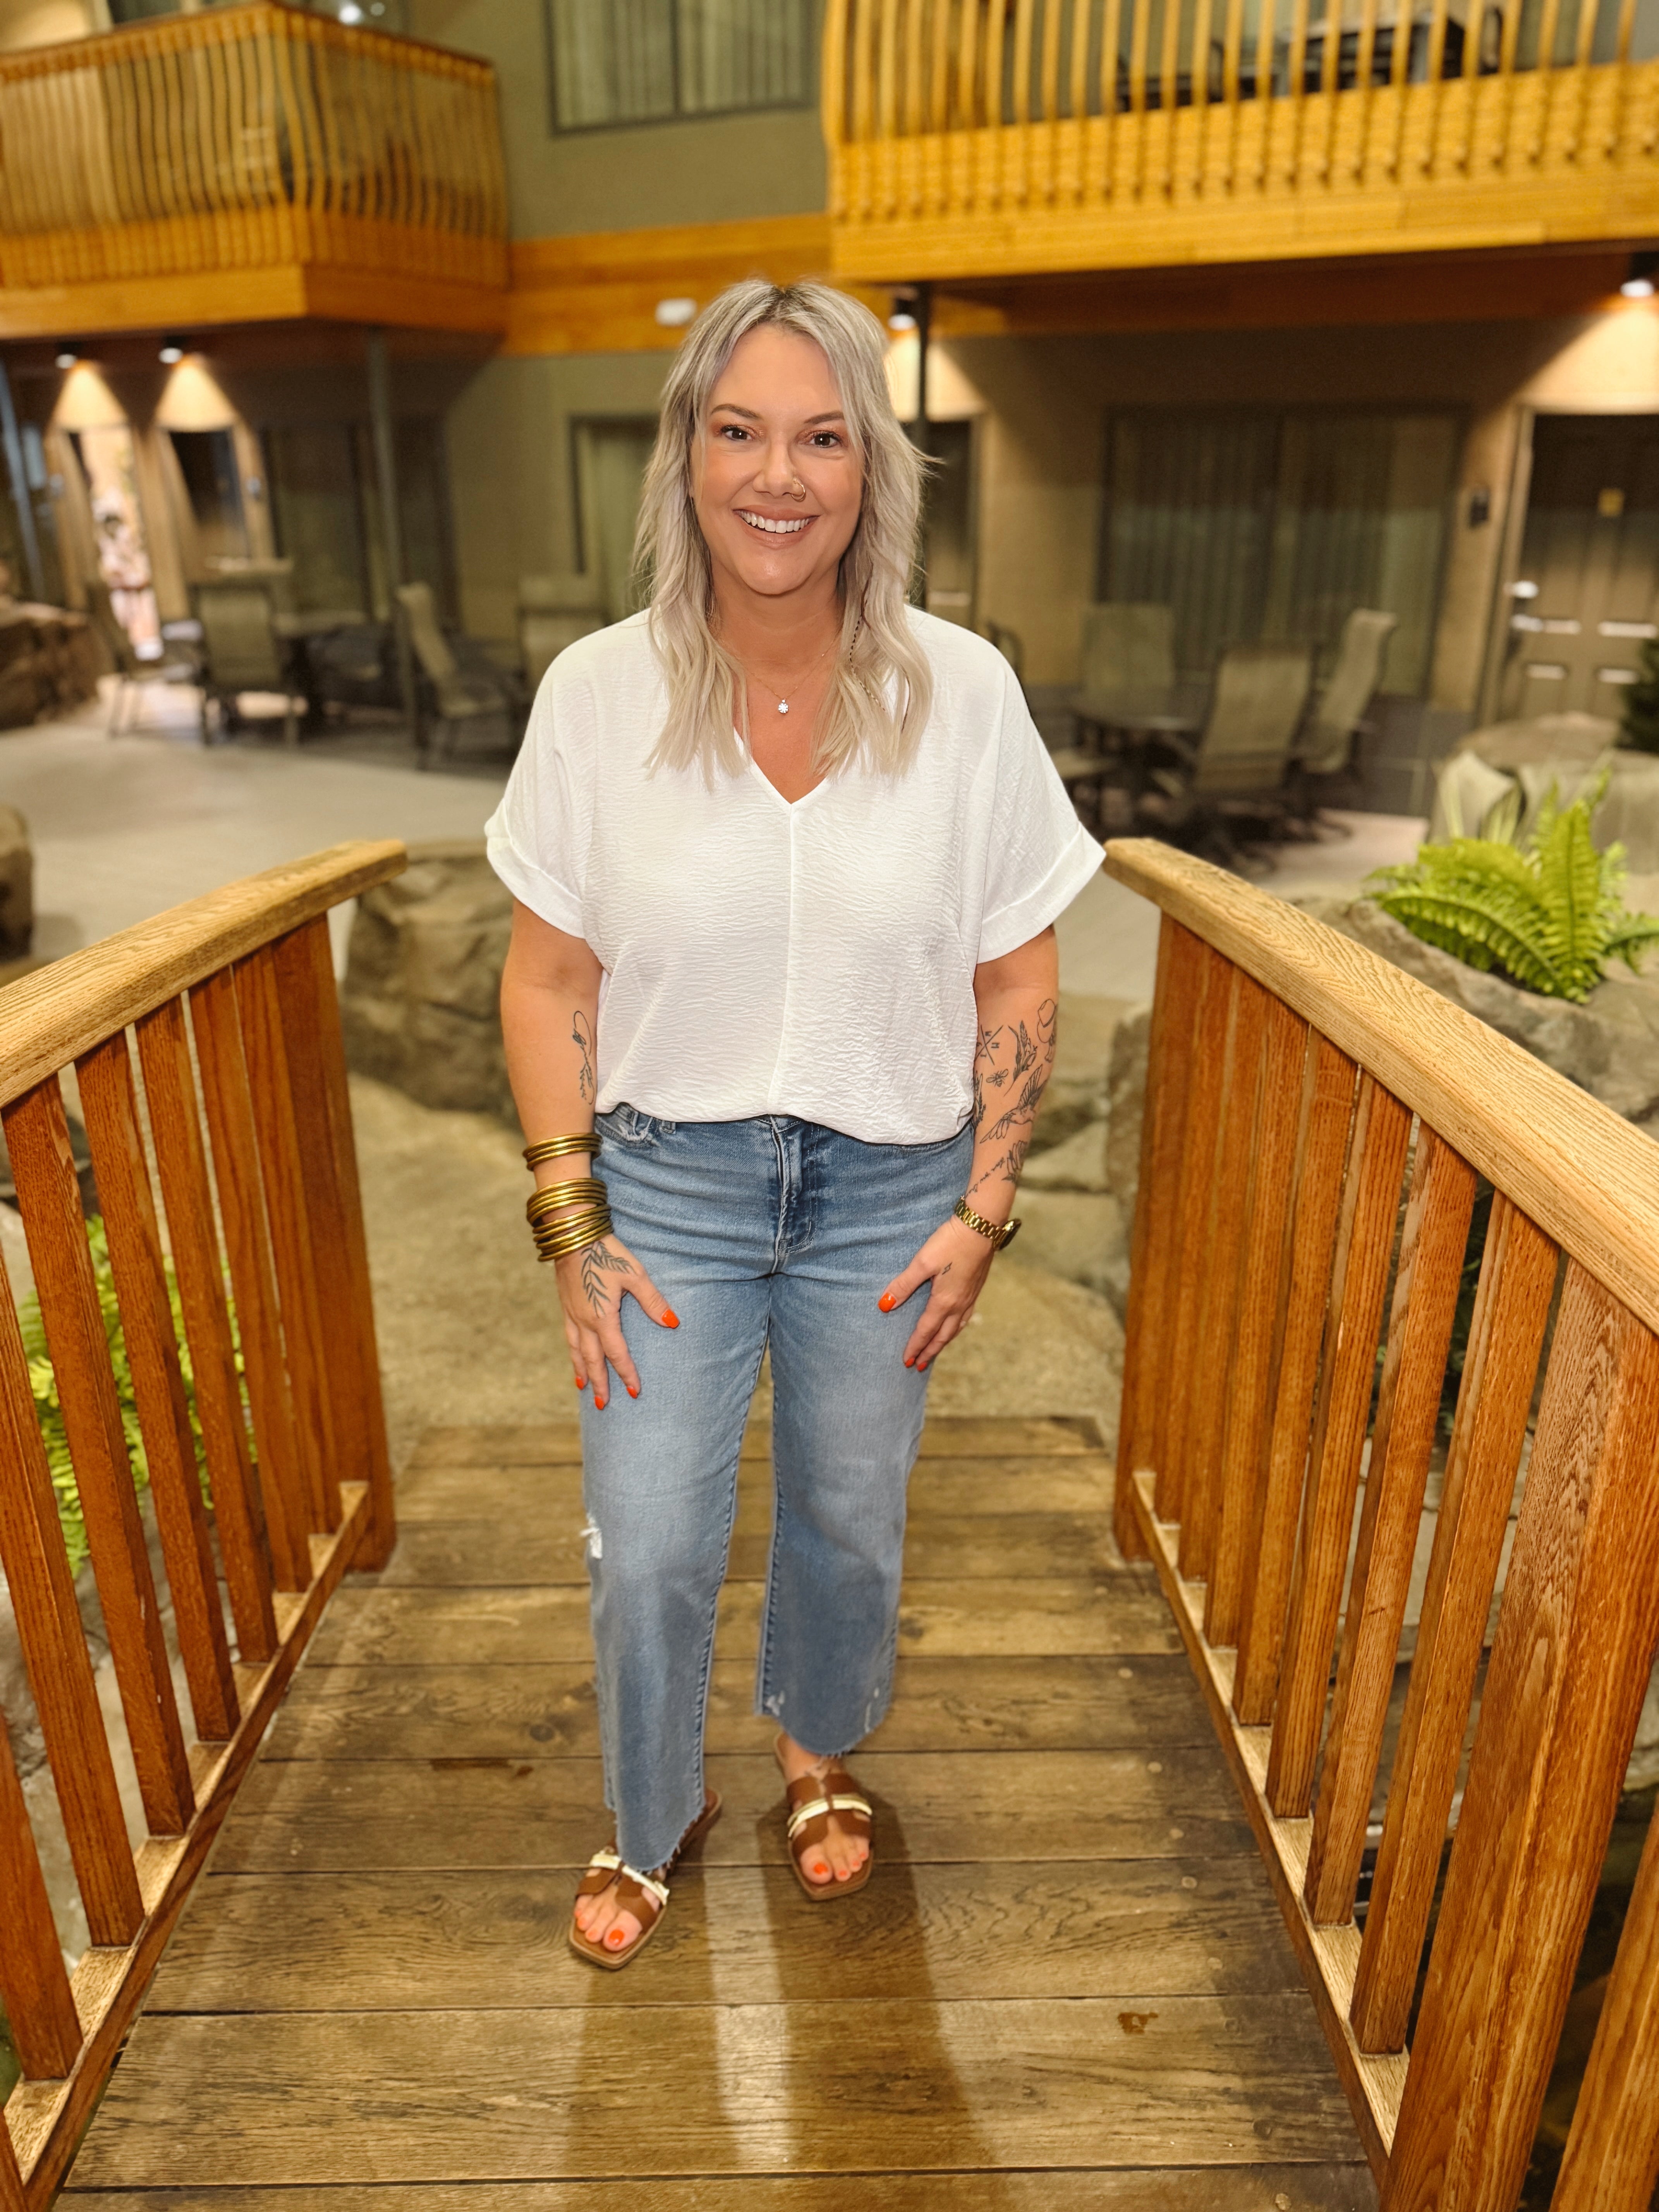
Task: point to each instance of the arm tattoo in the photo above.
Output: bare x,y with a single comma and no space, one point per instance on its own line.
1019,1065
582,1036
599,1261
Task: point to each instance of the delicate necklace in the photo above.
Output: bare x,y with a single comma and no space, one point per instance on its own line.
783,704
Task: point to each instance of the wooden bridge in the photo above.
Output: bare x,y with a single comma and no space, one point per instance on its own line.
1071,1982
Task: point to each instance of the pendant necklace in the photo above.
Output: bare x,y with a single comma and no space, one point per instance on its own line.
783,704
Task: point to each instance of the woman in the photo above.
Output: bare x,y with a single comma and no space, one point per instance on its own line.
786,856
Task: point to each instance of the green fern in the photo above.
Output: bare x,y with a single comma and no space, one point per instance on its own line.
50,1413
1548,914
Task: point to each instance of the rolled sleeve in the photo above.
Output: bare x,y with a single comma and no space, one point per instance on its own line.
537,838
1040,856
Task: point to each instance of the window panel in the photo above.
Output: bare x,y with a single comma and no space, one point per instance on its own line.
640,61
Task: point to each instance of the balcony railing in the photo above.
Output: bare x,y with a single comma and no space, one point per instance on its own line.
986,138
244,161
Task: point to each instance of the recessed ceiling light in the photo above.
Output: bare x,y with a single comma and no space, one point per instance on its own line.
171,351
901,321
1638,283
674,314
66,357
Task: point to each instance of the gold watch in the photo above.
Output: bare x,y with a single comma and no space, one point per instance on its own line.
999,1232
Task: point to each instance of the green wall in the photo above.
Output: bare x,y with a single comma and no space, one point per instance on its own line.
716,170
510,446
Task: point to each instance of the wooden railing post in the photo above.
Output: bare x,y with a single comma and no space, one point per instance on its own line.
34,1985
1576,1636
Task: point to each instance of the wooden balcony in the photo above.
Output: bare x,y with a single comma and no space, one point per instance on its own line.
249,164
999,137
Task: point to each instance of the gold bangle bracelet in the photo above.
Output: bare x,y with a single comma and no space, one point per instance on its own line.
560,1148
542,1225
552,1195
590,1229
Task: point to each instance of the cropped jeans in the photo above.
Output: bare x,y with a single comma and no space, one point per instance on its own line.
773,1232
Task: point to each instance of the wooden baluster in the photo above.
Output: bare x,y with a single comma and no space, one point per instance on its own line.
1111,38
1322,1153
1611,2161
1261,1321
1139,38
322,1111
11,2181
1146,1335
1426,1284
134,1236
170,1089
1569,1670
54,1645
270,1088
1506,1335
253,1281
1370,1205
1218,1314
34,1986
48,1199
1199,1141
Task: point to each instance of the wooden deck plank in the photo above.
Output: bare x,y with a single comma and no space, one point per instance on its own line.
715,2088
361,1942
539,1495
982,1618
950,1437
943,1547
305,1816
1173,2189
541,1710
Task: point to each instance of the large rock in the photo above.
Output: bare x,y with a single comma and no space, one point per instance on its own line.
1609,1046
16,885
423,979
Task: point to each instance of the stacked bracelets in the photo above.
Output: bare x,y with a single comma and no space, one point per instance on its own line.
554,1239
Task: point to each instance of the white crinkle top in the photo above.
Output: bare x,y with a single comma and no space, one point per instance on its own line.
815,959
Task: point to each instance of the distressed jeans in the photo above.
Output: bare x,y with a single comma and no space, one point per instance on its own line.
773,1232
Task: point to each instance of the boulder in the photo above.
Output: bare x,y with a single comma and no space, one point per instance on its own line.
422,978
16,885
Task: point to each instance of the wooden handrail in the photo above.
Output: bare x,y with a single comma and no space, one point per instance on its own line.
1307,122
51,1017
212,1082
1315,1122
1587,1178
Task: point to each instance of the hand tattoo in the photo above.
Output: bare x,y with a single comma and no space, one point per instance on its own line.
599,1261
582,1036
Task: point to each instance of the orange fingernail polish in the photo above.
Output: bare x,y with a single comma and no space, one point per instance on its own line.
886,1301
910,1363
633,1390
581,1382
670,1319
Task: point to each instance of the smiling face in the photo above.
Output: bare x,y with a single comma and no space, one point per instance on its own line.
775,431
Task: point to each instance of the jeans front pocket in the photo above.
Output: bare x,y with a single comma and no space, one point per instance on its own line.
625,1125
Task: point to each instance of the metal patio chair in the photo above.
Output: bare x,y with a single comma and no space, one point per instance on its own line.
1325,749
242,653
453,694
1229,787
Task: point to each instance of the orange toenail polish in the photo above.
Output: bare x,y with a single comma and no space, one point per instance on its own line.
820,1870
615,1939
886,1301
671,1320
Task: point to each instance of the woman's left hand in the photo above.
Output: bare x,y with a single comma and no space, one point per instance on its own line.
955,1260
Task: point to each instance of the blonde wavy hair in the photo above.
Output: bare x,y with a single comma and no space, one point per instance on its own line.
877,707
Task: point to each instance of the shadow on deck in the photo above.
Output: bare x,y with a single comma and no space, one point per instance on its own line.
1067,1984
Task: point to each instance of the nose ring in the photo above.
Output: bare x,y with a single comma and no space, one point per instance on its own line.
797,488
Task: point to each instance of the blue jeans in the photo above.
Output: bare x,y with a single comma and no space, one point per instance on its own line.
777,1232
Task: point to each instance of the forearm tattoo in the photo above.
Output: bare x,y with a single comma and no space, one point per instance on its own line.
582,1036
1012,1067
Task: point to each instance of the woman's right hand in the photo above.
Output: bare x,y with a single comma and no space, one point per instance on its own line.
592,1286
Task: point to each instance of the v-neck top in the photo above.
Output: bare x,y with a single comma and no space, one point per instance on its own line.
813,958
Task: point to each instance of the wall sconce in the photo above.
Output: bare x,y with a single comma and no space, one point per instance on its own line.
1480,506
675,314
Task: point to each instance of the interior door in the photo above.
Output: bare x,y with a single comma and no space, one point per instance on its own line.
611,457
1588,595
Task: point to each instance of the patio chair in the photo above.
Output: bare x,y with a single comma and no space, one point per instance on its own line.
451,693
1127,649
131,674
1327,747
242,653
554,611
1233,776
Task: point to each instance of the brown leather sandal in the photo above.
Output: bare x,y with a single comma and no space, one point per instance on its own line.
644,1895
812,1799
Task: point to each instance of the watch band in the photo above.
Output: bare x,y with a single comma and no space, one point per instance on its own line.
998,1232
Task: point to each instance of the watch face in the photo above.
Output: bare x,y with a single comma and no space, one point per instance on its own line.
1009,1234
